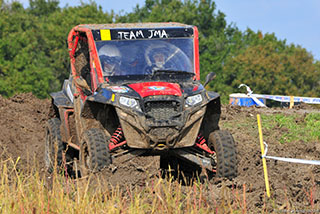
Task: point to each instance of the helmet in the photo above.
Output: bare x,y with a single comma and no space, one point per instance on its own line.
156,56
160,55
110,58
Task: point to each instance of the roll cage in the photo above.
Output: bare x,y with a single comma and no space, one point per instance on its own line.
83,40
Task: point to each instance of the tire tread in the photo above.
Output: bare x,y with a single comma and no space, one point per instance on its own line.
224,146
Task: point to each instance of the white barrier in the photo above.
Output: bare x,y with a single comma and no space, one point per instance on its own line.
279,98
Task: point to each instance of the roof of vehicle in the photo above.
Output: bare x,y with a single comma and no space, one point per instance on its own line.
133,25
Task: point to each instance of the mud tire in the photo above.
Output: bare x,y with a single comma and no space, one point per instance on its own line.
222,143
94,151
53,145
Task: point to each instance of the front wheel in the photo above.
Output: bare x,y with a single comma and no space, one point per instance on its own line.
222,143
94,151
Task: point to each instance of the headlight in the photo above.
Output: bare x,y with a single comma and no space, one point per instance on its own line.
193,100
129,102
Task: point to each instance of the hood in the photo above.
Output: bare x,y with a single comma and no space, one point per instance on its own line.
145,89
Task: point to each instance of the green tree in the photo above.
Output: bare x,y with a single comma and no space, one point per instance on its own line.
43,7
270,66
18,53
33,52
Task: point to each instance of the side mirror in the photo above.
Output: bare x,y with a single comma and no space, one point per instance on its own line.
209,78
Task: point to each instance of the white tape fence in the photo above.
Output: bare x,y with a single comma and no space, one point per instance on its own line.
291,160
279,98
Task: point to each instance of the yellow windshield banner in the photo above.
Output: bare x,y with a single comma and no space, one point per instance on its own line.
105,34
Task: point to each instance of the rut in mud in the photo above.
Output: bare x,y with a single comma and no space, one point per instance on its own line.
23,118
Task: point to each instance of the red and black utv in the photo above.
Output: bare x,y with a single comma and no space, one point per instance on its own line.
135,88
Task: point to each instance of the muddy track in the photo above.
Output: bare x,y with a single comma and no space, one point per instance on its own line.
22,122
23,117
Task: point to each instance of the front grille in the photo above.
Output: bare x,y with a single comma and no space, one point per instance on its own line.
162,110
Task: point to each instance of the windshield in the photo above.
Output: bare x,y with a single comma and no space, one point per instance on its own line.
144,57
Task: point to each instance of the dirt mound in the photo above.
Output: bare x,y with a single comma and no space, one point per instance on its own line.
23,118
22,121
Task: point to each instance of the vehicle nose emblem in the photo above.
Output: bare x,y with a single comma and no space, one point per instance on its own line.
157,88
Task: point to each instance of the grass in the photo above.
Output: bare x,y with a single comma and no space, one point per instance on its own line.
294,127
32,191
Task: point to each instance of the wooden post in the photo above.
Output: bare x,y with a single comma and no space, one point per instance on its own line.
291,102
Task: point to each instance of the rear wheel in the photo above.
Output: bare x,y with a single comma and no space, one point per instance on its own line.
53,145
222,143
94,151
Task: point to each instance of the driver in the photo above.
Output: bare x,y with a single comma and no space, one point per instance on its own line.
156,58
159,60
110,58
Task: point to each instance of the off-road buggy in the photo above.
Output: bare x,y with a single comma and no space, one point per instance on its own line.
135,88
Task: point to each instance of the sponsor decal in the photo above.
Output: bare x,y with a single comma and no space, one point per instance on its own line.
139,34
157,88
119,89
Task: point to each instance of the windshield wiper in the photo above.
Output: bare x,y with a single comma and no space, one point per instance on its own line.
159,72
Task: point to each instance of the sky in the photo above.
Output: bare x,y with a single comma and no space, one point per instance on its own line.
293,20
296,21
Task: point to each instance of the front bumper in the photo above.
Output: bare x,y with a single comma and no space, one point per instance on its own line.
176,132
